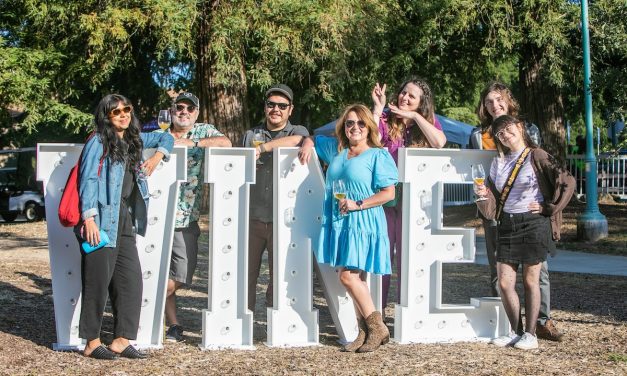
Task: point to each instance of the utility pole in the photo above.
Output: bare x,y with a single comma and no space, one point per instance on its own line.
591,224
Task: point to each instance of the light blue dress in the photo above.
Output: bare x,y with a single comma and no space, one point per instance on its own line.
358,240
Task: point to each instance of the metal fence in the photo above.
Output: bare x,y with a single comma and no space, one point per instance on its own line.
611,179
611,174
456,194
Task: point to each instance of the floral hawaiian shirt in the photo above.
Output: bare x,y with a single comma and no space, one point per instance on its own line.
190,195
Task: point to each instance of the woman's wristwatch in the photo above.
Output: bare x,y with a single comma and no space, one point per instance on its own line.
360,203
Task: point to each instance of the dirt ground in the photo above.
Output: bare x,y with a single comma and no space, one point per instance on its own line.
590,309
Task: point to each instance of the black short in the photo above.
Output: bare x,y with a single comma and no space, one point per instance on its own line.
524,238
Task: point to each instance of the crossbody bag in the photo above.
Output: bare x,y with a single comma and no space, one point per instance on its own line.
510,182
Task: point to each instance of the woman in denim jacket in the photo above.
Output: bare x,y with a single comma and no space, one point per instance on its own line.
114,198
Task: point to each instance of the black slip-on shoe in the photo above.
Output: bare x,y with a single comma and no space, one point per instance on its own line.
132,353
103,353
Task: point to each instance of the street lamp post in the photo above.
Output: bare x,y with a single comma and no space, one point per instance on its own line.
591,224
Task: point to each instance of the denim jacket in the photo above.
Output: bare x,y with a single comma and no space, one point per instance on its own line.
100,195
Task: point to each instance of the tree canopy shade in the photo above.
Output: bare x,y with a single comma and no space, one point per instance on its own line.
58,58
325,50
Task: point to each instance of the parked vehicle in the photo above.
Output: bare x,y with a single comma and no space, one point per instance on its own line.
20,192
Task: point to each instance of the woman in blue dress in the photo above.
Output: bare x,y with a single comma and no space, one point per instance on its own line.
354,231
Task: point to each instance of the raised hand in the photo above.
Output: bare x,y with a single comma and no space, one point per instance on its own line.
378,98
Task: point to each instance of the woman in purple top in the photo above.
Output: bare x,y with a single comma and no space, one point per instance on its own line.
408,122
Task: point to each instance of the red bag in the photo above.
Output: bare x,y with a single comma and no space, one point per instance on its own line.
69,206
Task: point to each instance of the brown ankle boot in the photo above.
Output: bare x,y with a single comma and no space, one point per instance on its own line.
549,331
361,337
378,333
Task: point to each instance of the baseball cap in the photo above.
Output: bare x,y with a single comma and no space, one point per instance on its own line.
281,89
187,97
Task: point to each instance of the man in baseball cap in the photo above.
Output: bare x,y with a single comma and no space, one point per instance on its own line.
196,137
277,131
281,89
184,96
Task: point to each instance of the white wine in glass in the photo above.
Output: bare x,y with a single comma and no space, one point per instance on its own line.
339,195
339,192
164,119
478,177
258,139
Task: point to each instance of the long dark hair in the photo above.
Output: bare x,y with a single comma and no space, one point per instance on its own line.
482,112
129,148
426,108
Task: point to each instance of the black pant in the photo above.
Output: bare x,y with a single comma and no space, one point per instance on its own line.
114,272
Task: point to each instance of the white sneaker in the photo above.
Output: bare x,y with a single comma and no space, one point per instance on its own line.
506,340
527,342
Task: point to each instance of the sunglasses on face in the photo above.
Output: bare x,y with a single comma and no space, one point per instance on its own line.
282,106
509,129
118,111
182,107
351,123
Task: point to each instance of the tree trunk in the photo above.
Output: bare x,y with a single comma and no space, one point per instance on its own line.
541,102
223,106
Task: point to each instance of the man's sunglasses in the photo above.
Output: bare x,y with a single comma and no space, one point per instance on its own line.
181,107
118,111
282,106
351,123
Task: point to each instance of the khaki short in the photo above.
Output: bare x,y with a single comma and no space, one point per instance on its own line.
184,253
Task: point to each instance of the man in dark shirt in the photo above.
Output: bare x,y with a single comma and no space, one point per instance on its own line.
276,131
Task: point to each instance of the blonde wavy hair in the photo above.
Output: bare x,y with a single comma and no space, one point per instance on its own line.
363,113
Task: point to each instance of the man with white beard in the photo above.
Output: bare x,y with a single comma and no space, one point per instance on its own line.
196,137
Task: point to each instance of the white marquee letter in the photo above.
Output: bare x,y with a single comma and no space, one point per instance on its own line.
427,244
54,162
227,323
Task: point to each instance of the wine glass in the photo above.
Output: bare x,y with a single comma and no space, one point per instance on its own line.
258,139
339,192
164,119
478,177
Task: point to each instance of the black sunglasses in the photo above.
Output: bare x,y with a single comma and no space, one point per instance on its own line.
118,111
351,123
282,106
181,107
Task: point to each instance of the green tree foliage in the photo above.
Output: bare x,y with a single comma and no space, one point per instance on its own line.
449,44
533,45
26,84
327,51
608,50
60,57
608,34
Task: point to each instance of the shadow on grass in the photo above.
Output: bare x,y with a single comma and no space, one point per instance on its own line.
29,315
